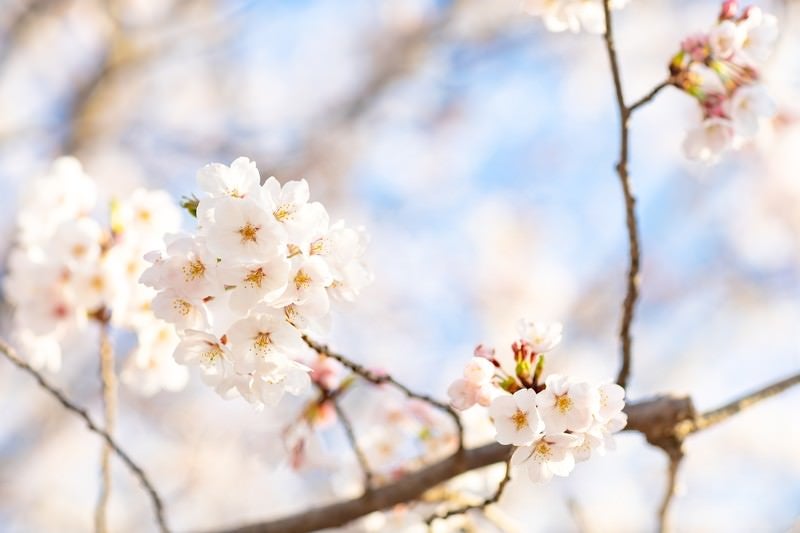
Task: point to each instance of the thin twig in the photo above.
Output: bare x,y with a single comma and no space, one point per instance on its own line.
351,437
675,459
494,498
649,96
380,379
108,379
715,416
656,419
158,505
632,291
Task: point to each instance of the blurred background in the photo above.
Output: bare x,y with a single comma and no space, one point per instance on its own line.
477,149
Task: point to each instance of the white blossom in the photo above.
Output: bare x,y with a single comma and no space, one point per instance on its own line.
183,312
243,231
572,15
240,180
566,405
547,456
725,39
151,367
748,106
709,140
540,336
760,35
516,418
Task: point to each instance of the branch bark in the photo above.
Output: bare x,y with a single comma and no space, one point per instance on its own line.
108,378
158,505
659,419
380,379
632,290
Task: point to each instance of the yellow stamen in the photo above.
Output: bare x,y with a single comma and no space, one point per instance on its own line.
193,270
249,233
283,212
254,278
182,307
563,403
302,280
262,341
520,419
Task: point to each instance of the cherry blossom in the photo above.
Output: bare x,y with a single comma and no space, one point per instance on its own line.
567,405
572,15
541,337
516,418
261,270
75,265
721,70
547,456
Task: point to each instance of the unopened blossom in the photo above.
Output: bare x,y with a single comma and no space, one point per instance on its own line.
540,336
516,418
475,387
548,455
567,405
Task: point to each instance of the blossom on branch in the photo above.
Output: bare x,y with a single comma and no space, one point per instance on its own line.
721,70
74,265
572,15
557,421
260,271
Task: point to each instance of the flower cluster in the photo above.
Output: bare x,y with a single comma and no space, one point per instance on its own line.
720,68
553,424
259,272
573,15
69,270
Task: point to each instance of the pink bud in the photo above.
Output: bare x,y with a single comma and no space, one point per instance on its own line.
487,352
729,10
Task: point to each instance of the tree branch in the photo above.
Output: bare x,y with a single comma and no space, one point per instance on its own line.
720,414
659,419
649,96
652,417
494,498
158,506
108,379
632,291
351,437
675,459
380,379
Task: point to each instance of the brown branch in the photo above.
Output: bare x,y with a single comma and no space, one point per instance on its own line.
381,379
158,506
649,96
108,379
494,498
675,459
659,419
720,414
351,437
632,291
654,418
